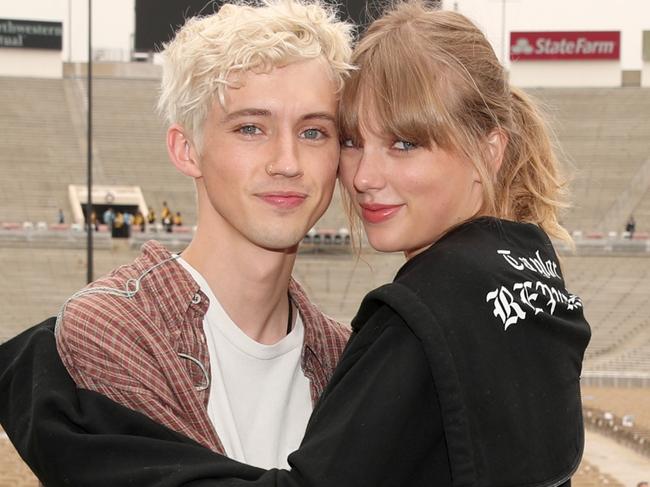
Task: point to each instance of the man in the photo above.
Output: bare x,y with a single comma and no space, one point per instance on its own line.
219,343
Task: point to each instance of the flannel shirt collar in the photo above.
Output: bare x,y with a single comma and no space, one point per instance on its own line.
173,288
176,291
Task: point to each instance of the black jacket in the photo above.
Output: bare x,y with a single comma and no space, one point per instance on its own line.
463,372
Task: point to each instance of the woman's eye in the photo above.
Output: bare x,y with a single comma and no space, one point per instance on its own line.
349,143
404,145
313,134
249,130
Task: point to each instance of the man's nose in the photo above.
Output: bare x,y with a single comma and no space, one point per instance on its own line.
286,158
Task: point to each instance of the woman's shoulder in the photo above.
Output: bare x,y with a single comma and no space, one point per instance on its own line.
473,251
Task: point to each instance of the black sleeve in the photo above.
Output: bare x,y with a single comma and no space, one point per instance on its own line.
377,424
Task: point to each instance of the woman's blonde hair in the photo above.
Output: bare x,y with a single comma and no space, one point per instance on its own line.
431,77
206,51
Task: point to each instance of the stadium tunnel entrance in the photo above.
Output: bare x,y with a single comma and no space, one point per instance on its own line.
119,227
122,200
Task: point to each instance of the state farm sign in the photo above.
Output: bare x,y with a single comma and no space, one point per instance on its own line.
564,45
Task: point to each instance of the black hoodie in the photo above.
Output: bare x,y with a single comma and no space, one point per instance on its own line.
462,372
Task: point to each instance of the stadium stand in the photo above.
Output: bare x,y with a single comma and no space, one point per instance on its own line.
642,210
45,145
41,152
606,142
130,142
605,134
616,295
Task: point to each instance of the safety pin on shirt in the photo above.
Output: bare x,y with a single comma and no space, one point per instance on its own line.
206,384
130,290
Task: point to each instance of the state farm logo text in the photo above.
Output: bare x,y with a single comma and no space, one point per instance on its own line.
564,45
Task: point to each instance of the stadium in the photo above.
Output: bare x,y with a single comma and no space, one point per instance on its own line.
587,62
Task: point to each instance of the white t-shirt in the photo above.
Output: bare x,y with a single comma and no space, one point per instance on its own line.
260,399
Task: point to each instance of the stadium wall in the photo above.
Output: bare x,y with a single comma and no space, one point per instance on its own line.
114,32
113,29
558,74
33,63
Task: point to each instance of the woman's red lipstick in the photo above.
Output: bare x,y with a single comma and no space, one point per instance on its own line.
377,213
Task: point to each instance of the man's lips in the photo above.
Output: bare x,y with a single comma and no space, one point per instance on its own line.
377,213
283,199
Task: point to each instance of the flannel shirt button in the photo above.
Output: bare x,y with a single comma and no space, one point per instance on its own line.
196,299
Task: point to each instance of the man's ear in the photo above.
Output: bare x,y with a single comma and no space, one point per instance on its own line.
495,146
181,152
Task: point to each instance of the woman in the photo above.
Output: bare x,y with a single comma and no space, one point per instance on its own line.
465,370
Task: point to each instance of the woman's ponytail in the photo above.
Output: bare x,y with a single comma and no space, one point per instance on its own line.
530,186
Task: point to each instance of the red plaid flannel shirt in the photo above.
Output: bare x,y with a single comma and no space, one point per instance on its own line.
127,348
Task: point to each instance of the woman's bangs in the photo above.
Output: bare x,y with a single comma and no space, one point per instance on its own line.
349,107
393,93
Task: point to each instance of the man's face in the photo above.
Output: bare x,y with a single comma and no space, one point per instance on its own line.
269,159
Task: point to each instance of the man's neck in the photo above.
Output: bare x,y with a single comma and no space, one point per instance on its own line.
250,282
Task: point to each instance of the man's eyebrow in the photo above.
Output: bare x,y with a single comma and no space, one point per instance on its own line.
246,112
263,112
320,116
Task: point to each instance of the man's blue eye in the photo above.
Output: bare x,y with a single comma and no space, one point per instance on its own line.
312,134
404,145
249,130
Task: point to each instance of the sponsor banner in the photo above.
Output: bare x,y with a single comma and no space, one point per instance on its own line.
560,46
33,34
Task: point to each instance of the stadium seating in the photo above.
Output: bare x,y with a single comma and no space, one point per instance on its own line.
41,152
605,134
130,142
43,124
616,295
642,210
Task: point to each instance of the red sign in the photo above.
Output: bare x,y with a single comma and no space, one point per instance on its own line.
563,46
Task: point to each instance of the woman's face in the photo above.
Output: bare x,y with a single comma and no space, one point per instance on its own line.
407,196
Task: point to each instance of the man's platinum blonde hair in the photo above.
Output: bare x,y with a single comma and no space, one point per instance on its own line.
208,52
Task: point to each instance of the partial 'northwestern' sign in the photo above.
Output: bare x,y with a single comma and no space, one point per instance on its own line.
34,34
560,46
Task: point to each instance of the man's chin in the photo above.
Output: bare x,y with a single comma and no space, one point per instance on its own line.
282,249
283,244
